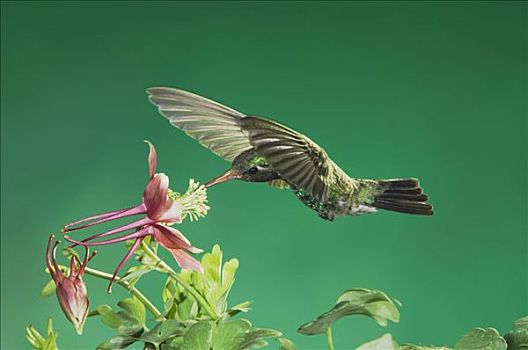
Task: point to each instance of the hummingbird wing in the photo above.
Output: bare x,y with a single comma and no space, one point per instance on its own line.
215,126
297,159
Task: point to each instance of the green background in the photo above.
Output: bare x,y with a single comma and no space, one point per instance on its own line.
431,90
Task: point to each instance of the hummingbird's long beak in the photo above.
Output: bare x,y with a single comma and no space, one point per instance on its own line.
228,175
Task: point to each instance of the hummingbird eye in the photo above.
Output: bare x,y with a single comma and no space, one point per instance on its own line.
252,171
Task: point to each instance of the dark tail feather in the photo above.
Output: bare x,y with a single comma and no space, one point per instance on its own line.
404,196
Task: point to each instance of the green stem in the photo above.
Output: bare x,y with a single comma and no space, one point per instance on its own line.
133,290
330,338
93,313
163,265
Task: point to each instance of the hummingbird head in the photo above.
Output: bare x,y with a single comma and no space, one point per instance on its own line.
247,166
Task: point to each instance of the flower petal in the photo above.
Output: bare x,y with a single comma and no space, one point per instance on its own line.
171,238
159,206
185,260
73,299
152,159
155,195
172,214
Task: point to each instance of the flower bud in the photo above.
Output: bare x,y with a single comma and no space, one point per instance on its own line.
71,290
73,299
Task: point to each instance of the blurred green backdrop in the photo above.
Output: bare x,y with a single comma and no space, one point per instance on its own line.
431,90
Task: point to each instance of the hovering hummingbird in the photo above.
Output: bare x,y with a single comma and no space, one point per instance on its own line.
261,150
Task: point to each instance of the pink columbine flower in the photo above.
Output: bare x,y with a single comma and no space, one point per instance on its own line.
160,208
71,290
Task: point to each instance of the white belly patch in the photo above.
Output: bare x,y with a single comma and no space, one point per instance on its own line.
342,207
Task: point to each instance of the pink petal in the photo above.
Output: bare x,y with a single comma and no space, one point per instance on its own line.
171,238
152,159
155,196
172,214
185,260
73,299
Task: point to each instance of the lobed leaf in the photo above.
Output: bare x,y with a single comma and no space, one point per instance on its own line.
117,342
214,284
386,342
134,308
481,339
228,335
359,301
521,324
112,319
162,332
518,338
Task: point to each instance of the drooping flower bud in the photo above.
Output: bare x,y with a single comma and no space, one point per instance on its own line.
71,290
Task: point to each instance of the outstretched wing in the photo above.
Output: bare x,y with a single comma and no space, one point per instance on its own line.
215,126
296,158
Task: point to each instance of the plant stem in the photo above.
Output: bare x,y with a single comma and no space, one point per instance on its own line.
330,338
133,290
93,313
162,264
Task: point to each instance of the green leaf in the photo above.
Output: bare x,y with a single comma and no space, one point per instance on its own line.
179,305
48,289
117,342
419,347
518,339
214,284
38,341
286,344
199,336
242,307
481,339
69,252
228,278
255,338
370,302
521,324
115,319
385,342
135,308
227,335
162,332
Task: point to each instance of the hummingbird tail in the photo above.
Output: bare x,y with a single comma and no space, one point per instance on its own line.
403,196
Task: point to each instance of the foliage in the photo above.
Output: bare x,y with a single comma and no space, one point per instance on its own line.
40,342
358,301
184,323
475,339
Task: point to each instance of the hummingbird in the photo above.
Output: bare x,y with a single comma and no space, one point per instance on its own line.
262,150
